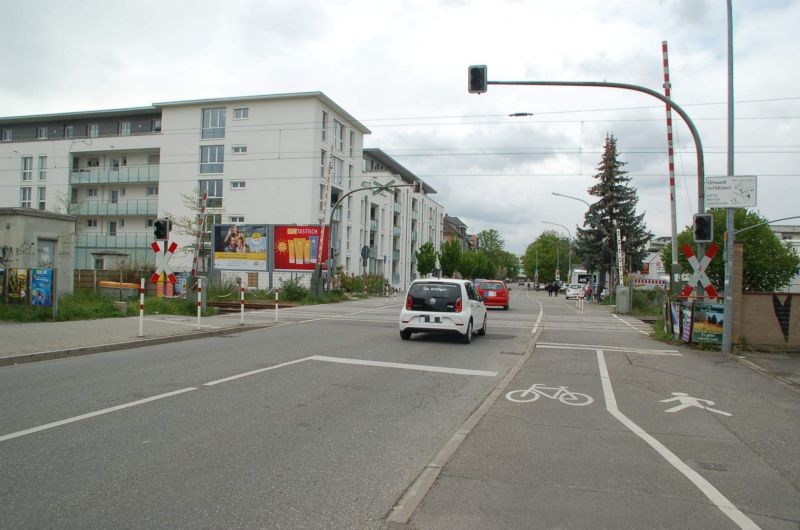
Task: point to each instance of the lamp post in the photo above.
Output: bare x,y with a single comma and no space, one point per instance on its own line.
569,249
571,197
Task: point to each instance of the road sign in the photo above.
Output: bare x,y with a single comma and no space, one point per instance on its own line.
699,268
730,192
162,262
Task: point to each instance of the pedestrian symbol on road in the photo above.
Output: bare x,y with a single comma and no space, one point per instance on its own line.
687,401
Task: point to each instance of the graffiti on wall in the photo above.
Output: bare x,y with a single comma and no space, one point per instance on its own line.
783,312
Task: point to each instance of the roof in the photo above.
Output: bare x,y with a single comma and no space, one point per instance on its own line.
32,212
76,115
396,167
455,220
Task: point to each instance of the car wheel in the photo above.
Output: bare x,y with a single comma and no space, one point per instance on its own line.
405,334
467,338
505,307
482,331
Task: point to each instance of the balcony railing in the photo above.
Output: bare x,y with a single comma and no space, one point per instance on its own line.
124,207
396,231
373,225
413,235
122,175
397,207
395,255
104,241
414,215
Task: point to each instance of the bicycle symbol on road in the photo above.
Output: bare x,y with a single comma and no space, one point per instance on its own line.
561,393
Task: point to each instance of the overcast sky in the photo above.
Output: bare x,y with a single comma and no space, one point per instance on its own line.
400,68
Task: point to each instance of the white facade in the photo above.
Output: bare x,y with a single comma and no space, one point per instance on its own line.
262,159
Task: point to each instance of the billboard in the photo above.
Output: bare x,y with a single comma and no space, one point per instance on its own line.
42,287
297,248
240,247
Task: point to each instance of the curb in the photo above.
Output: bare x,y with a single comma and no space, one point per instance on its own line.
22,358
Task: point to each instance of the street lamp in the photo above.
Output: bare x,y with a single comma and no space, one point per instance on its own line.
569,249
571,197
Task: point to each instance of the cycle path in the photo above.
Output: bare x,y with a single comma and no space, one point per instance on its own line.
624,460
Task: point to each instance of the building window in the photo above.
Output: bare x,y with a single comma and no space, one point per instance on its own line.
41,133
337,170
352,142
7,135
213,123
42,168
150,223
124,128
238,184
239,149
152,190
25,197
349,176
93,130
241,113
27,167
155,125
214,189
212,158
91,192
338,135
322,163
42,192
91,223
69,131
237,219
93,162
324,124
112,228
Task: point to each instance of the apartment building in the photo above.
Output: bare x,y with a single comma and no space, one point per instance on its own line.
261,160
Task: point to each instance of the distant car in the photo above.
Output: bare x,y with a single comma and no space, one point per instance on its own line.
443,306
574,290
494,293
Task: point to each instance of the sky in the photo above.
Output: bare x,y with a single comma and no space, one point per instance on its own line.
400,68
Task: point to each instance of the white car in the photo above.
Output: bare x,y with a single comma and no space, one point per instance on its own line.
574,290
443,306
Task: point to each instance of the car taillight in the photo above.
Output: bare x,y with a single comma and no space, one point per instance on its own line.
409,302
458,306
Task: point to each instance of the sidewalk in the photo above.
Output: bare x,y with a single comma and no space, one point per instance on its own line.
40,341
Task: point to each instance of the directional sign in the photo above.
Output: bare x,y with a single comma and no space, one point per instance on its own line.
699,268
162,262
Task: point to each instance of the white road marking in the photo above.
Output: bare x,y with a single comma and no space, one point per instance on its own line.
712,493
93,414
538,320
404,366
568,346
629,324
253,372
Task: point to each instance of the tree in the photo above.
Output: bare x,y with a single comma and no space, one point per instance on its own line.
450,257
543,255
477,264
426,259
596,243
768,265
508,265
490,242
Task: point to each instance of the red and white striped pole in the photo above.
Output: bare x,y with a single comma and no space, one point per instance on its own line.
141,308
276,305
199,299
241,302
671,160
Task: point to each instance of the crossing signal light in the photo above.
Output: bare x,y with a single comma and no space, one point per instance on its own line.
477,79
703,228
161,229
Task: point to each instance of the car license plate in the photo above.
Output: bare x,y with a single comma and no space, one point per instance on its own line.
428,319
492,293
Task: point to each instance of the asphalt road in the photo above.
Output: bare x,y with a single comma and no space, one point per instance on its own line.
329,420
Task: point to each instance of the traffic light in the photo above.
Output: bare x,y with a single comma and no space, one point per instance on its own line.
477,79
161,229
703,228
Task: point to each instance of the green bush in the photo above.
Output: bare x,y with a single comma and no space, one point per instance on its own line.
293,291
648,302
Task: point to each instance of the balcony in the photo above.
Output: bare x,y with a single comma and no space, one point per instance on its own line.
395,255
122,175
122,208
397,207
414,215
396,231
104,241
413,235
373,225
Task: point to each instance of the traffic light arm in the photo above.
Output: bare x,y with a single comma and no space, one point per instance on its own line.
416,185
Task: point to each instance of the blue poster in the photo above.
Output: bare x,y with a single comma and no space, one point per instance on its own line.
42,287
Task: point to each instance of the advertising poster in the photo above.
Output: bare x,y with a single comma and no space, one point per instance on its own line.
42,287
686,320
18,286
708,320
297,248
675,317
240,247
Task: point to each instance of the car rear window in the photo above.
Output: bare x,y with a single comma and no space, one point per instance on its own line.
434,296
491,286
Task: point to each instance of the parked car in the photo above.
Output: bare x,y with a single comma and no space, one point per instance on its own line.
494,293
574,290
443,306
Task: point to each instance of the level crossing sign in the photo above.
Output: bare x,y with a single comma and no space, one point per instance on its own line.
699,268
162,262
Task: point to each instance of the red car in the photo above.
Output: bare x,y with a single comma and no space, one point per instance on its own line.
493,292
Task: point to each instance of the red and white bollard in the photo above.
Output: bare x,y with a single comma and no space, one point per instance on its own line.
579,301
241,302
276,305
141,308
199,300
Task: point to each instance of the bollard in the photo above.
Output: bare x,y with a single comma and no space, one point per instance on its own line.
141,308
241,303
276,305
199,300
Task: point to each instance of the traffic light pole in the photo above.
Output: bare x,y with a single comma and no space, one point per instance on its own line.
701,194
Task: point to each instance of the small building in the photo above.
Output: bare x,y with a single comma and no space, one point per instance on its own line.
32,238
